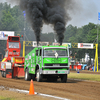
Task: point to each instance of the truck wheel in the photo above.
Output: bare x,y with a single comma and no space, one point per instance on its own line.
2,73
27,75
64,78
38,76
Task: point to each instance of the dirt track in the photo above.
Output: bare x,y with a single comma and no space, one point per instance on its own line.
75,90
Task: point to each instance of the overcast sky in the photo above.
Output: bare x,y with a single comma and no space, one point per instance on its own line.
86,11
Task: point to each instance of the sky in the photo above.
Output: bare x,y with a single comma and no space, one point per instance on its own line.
84,12
88,13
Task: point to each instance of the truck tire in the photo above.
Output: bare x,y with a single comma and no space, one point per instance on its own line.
27,75
64,78
2,74
38,76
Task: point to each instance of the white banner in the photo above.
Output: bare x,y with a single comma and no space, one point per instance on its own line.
40,43
55,43
3,33
85,45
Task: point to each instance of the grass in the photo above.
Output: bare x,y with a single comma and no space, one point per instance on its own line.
4,98
83,76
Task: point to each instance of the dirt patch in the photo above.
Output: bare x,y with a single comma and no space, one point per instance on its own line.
73,89
9,95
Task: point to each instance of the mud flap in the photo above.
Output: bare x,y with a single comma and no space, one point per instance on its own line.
9,73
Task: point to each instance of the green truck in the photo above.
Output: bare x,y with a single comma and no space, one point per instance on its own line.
47,62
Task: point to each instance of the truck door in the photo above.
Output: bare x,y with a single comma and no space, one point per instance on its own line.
39,57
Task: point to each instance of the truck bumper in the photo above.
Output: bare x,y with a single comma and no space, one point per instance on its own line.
55,71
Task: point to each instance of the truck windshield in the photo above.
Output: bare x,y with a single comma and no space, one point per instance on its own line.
52,52
13,44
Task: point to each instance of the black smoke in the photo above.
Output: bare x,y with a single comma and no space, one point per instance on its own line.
46,11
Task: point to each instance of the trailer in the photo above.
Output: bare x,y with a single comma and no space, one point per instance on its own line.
12,64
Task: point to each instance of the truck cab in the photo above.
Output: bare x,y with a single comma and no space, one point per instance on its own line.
13,47
12,65
50,62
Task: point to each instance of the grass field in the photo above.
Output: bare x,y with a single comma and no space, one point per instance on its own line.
84,76
5,98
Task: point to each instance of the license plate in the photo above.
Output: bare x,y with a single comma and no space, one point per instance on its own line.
61,72
56,64
51,72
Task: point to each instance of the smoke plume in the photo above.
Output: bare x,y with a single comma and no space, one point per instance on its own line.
53,12
46,11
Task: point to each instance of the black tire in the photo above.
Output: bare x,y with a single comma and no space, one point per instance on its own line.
27,75
2,74
64,78
38,76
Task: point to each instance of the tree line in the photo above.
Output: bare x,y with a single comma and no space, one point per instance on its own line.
13,19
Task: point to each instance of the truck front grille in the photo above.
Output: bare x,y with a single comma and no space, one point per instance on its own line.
56,64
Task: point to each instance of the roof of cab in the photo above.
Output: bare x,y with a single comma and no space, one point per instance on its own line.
53,46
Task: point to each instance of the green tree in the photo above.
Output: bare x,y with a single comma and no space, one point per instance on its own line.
7,22
70,33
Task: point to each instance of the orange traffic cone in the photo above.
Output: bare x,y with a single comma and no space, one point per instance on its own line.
31,91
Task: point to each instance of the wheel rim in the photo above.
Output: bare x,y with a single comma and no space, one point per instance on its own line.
26,76
37,75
